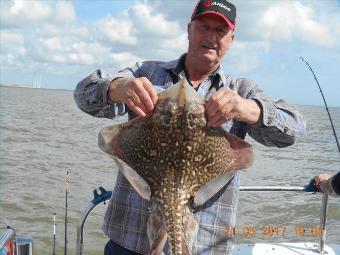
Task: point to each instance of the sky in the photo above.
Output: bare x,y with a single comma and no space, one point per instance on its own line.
65,41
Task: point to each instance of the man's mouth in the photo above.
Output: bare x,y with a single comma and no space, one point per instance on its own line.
209,47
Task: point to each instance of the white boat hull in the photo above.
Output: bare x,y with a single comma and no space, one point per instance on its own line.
284,249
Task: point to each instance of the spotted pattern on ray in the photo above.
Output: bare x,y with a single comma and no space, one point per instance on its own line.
176,154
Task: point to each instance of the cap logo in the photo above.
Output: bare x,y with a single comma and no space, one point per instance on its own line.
210,3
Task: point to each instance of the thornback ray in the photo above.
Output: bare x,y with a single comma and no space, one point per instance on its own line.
242,157
106,140
173,158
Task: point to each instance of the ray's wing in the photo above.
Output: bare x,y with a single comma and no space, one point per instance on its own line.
242,151
112,141
229,155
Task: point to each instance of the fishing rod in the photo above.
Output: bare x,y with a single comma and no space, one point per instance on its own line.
66,206
54,214
324,100
324,206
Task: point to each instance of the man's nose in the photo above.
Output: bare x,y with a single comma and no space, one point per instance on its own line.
211,35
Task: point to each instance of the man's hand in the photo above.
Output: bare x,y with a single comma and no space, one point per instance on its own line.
138,94
226,104
320,181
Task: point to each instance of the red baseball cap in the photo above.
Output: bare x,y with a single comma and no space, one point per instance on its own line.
222,8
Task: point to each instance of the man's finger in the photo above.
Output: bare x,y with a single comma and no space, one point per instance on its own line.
151,91
214,119
213,99
136,101
217,102
216,122
135,108
140,102
222,108
220,122
227,109
144,98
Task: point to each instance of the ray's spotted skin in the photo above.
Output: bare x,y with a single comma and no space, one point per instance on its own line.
169,157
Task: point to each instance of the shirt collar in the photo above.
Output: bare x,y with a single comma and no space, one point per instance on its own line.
176,67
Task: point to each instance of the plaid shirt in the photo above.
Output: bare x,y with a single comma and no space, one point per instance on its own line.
126,218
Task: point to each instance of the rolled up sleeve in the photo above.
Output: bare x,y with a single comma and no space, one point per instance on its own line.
280,122
91,94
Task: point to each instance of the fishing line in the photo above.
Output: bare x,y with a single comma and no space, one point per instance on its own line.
66,206
325,196
324,100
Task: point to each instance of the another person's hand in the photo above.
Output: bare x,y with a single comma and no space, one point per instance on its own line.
320,179
226,104
138,94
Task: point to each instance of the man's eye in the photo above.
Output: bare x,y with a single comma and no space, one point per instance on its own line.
221,31
204,28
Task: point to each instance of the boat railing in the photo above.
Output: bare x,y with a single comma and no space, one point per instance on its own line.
99,198
104,195
311,187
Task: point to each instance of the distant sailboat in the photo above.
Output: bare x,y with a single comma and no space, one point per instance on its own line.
37,81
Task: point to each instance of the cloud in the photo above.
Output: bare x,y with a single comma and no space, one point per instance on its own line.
179,42
12,48
148,22
245,56
78,31
53,44
115,30
123,59
139,28
175,10
65,12
31,10
19,14
286,21
10,38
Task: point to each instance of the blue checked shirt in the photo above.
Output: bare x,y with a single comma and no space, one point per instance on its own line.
126,218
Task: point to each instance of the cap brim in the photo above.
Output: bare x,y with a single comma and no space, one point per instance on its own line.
231,25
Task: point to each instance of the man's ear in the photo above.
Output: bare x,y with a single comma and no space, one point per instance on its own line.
233,37
188,29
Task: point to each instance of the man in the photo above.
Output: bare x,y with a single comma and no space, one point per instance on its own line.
328,184
238,105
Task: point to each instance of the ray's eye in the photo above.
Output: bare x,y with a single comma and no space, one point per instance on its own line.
166,120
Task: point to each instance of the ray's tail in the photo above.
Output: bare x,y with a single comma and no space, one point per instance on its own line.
174,228
181,228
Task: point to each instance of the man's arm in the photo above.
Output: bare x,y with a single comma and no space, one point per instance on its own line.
91,95
107,95
270,122
280,123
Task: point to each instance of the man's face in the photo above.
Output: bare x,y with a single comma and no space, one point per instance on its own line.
209,39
